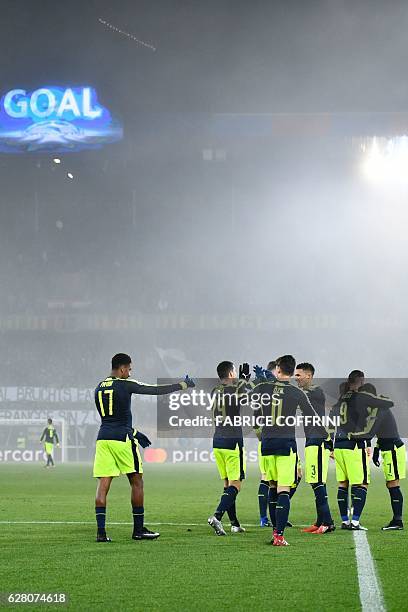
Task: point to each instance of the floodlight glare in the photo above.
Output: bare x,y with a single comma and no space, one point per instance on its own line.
386,161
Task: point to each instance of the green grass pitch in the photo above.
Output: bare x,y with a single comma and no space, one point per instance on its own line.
188,567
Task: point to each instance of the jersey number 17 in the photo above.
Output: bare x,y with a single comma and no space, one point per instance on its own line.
101,397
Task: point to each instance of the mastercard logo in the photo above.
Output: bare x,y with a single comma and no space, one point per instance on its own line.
155,455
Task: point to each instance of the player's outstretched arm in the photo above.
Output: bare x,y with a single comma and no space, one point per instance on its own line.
308,410
140,388
376,401
255,404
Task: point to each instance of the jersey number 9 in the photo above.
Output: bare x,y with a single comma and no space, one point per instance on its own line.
343,413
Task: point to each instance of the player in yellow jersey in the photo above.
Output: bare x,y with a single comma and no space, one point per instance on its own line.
49,435
117,446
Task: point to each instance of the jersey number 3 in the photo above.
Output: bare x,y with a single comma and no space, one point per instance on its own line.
109,393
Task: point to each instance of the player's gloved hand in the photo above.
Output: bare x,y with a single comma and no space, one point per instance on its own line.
189,382
244,371
268,375
376,457
258,371
142,439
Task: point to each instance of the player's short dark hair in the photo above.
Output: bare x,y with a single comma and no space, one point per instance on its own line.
120,359
307,367
354,375
49,421
224,368
287,364
271,366
369,388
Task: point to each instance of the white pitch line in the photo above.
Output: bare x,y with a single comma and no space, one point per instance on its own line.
371,596
120,523
91,523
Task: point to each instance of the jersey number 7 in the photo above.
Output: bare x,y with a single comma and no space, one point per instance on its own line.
108,392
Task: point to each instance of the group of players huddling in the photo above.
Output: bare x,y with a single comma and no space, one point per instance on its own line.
361,416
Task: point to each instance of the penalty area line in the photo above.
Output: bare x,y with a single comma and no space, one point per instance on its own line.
371,596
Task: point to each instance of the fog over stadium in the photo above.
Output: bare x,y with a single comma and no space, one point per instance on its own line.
203,304
235,219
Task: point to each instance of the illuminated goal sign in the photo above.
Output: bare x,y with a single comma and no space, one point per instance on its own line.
55,119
